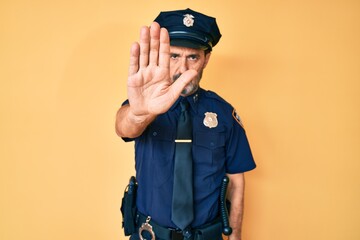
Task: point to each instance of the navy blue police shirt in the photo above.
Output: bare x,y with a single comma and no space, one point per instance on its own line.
216,151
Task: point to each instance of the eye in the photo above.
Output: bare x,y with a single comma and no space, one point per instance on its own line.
193,57
174,56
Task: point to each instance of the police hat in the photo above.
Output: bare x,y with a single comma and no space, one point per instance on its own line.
188,28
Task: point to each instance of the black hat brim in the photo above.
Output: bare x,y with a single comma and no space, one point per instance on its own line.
188,44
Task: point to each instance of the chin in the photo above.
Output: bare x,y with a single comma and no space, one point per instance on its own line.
189,90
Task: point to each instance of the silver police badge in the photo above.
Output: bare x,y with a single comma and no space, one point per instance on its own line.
210,120
188,20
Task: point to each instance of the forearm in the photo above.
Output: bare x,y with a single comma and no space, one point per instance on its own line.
236,197
130,125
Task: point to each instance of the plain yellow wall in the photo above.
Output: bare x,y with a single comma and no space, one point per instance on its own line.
290,68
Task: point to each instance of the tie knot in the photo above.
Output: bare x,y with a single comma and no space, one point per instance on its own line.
184,105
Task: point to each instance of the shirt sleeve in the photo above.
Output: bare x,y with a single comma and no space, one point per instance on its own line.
125,138
239,157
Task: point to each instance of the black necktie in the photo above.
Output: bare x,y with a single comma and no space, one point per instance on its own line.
182,203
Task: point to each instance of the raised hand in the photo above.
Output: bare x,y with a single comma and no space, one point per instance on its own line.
151,90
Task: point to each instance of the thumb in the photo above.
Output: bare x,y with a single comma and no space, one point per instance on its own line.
185,78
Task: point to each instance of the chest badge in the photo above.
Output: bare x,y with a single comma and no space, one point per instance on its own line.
210,120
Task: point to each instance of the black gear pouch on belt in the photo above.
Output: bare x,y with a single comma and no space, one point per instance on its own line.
128,207
212,231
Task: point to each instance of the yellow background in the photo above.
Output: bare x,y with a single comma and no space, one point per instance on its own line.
290,68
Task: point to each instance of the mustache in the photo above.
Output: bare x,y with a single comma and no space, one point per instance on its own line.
176,76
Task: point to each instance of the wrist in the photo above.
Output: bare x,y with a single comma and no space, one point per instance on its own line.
139,119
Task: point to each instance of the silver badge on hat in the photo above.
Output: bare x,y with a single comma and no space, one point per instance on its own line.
188,20
210,120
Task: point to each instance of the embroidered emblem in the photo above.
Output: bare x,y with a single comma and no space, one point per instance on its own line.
237,118
210,120
188,20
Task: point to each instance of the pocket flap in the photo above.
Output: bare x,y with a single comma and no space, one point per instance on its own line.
211,140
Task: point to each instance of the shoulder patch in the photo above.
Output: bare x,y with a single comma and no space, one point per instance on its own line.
237,118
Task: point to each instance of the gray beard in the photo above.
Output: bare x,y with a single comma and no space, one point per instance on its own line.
194,89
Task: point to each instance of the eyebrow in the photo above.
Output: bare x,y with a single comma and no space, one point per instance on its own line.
189,55
193,55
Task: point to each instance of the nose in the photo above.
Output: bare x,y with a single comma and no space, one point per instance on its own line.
183,65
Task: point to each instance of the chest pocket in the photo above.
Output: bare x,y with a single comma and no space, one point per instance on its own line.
163,148
211,141
209,151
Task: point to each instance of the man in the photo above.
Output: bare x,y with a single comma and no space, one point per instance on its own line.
166,67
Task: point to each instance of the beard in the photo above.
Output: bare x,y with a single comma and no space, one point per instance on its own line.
192,87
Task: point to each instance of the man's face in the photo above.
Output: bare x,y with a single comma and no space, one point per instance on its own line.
183,59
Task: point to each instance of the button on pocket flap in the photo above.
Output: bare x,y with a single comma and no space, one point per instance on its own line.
209,140
161,134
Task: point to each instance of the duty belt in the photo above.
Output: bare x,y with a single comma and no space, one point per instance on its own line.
161,232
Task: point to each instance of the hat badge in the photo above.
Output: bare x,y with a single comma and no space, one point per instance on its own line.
210,120
188,20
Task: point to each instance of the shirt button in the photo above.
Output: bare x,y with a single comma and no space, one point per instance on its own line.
212,144
155,134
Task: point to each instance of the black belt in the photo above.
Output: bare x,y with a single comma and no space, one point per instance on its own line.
176,234
163,232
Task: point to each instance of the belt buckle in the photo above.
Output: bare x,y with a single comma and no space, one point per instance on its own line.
187,233
176,234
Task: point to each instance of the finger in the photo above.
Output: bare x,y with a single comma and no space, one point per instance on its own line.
154,43
164,49
144,46
185,78
134,59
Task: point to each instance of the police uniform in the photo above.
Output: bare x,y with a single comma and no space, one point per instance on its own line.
219,143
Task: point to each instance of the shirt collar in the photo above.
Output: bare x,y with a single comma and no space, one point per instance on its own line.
193,100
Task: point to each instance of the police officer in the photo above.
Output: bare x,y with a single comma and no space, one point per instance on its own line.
166,67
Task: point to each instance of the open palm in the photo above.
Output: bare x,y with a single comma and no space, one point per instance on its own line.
151,90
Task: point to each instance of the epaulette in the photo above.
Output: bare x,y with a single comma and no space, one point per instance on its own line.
215,96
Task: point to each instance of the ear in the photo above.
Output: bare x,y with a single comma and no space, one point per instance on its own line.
207,58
